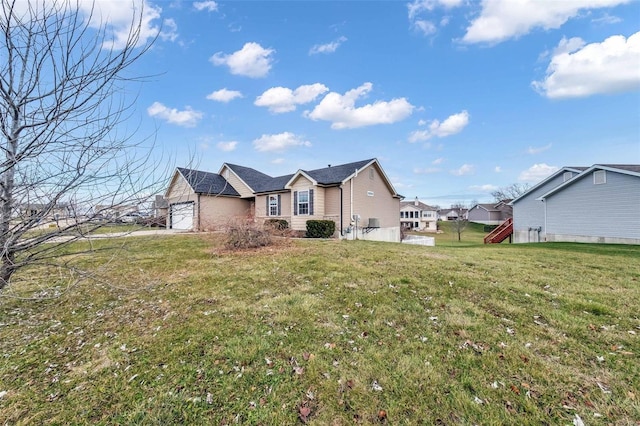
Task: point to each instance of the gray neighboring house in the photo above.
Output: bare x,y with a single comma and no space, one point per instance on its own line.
599,204
490,214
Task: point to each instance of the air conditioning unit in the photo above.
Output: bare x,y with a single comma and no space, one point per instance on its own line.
374,222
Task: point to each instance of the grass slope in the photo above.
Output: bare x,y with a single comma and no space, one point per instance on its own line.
329,332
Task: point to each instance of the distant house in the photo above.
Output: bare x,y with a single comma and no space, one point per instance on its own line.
490,214
575,204
357,196
416,215
453,213
159,206
114,211
44,211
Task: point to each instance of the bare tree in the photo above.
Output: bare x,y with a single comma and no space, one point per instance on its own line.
510,192
460,222
65,160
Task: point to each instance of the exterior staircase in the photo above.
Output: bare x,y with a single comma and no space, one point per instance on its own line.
501,233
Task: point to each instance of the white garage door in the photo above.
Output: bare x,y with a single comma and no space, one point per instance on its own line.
182,216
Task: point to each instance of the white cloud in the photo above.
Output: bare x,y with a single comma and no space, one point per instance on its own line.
538,149
425,27
327,48
169,30
465,169
118,18
483,188
186,118
578,69
417,8
224,95
343,114
501,20
279,142
252,60
277,161
537,172
209,6
497,169
606,19
450,126
438,161
227,146
282,99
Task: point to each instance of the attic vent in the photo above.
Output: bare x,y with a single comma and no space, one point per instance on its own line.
599,177
567,176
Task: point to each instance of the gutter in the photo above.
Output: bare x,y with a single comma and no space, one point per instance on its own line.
341,207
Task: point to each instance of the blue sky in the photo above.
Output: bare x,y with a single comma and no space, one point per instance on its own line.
455,98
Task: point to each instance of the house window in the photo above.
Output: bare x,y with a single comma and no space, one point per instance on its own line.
599,177
274,205
303,202
401,215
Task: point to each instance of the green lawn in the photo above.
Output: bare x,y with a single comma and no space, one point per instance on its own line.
330,332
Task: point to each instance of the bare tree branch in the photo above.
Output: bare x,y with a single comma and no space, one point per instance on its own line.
62,104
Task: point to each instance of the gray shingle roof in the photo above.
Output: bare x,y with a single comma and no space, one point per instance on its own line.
628,167
255,179
207,183
336,174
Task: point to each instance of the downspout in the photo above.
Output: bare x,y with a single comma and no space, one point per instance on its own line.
351,206
341,206
545,220
199,213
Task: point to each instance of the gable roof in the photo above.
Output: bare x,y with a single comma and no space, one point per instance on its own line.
254,179
578,170
337,174
626,169
207,183
420,206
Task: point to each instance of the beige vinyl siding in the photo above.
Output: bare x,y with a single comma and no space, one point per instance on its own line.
381,205
179,191
285,207
299,222
237,184
216,212
332,201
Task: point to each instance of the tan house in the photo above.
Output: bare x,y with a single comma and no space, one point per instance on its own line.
416,215
357,196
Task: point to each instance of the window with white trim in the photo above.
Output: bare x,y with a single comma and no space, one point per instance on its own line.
599,177
274,205
303,202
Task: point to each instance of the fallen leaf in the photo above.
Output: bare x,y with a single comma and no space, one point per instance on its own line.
304,413
515,389
577,421
376,386
350,383
298,370
382,415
